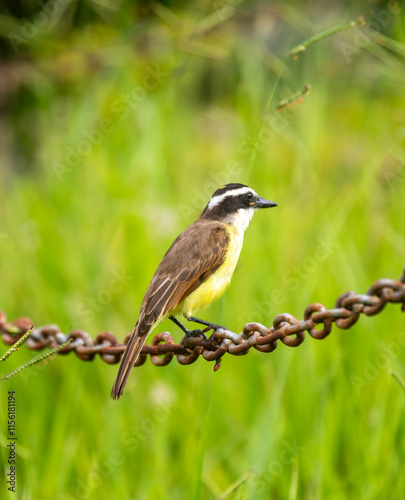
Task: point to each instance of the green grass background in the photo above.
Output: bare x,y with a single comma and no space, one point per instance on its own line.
291,424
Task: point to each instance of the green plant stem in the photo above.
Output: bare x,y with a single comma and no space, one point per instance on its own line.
36,360
325,34
16,345
295,98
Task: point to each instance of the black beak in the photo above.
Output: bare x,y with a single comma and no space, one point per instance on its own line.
263,203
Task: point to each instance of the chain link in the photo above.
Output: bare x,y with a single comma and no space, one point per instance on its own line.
318,321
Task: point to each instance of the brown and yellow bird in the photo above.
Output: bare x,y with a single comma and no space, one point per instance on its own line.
195,270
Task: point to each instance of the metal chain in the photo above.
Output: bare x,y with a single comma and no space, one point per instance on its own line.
286,328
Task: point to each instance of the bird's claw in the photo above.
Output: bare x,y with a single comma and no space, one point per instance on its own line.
214,328
196,333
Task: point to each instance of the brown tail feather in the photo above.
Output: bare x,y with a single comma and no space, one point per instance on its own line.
131,354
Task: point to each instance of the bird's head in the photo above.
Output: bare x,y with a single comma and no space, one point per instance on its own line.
235,204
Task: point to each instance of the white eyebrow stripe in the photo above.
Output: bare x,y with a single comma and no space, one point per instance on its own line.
216,200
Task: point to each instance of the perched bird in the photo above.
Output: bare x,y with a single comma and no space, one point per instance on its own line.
195,270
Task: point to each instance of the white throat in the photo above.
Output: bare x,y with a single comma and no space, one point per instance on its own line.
240,219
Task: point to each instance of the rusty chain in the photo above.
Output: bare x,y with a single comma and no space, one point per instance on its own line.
286,328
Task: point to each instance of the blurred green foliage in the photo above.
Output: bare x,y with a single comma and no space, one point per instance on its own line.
118,121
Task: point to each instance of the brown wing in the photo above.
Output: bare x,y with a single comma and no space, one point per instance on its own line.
193,257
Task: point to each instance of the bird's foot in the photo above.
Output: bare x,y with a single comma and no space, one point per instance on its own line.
196,333
189,333
208,325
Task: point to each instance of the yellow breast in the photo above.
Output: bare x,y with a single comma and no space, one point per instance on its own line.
215,285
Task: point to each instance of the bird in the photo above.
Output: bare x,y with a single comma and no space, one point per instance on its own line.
195,270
